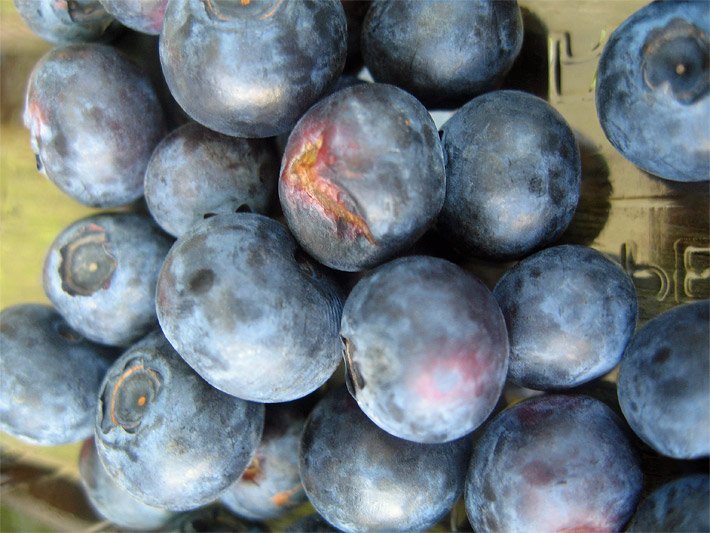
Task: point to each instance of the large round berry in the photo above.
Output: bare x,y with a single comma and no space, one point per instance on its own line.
360,478
653,90
166,435
49,376
553,463
664,382
251,68
94,120
100,274
513,174
444,52
248,310
426,349
195,171
362,176
570,312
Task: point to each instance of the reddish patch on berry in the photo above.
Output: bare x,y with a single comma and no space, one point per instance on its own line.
305,180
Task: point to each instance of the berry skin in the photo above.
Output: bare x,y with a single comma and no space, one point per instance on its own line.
67,22
251,69
145,16
362,176
360,478
664,382
553,463
50,376
426,349
653,82
250,312
94,120
110,500
513,174
444,52
570,312
194,172
100,274
165,435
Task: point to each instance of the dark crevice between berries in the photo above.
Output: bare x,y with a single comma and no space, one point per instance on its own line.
66,332
677,56
305,263
353,378
87,265
126,399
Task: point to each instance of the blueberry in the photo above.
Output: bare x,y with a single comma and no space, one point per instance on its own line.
553,463
652,83
513,173
271,484
195,171
67,22
251,313
664,382
425,347
165,435
110,500
680,505
360,478
145,16
251,69
50,376
362,177
94,120
100,274
570,312
444,52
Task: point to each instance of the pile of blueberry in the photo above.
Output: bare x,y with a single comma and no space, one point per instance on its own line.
194,340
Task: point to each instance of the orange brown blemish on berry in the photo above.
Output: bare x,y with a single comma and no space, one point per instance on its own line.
305,180
283,498
253,472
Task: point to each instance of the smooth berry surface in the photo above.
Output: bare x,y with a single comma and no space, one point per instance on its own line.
653,82
664,382
679,505
100,274
195,171
362,177
166,435
360,478
251,69
111,501
248,310
553,463
49,376
444,52
570,312
513,174
94,120
426,349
